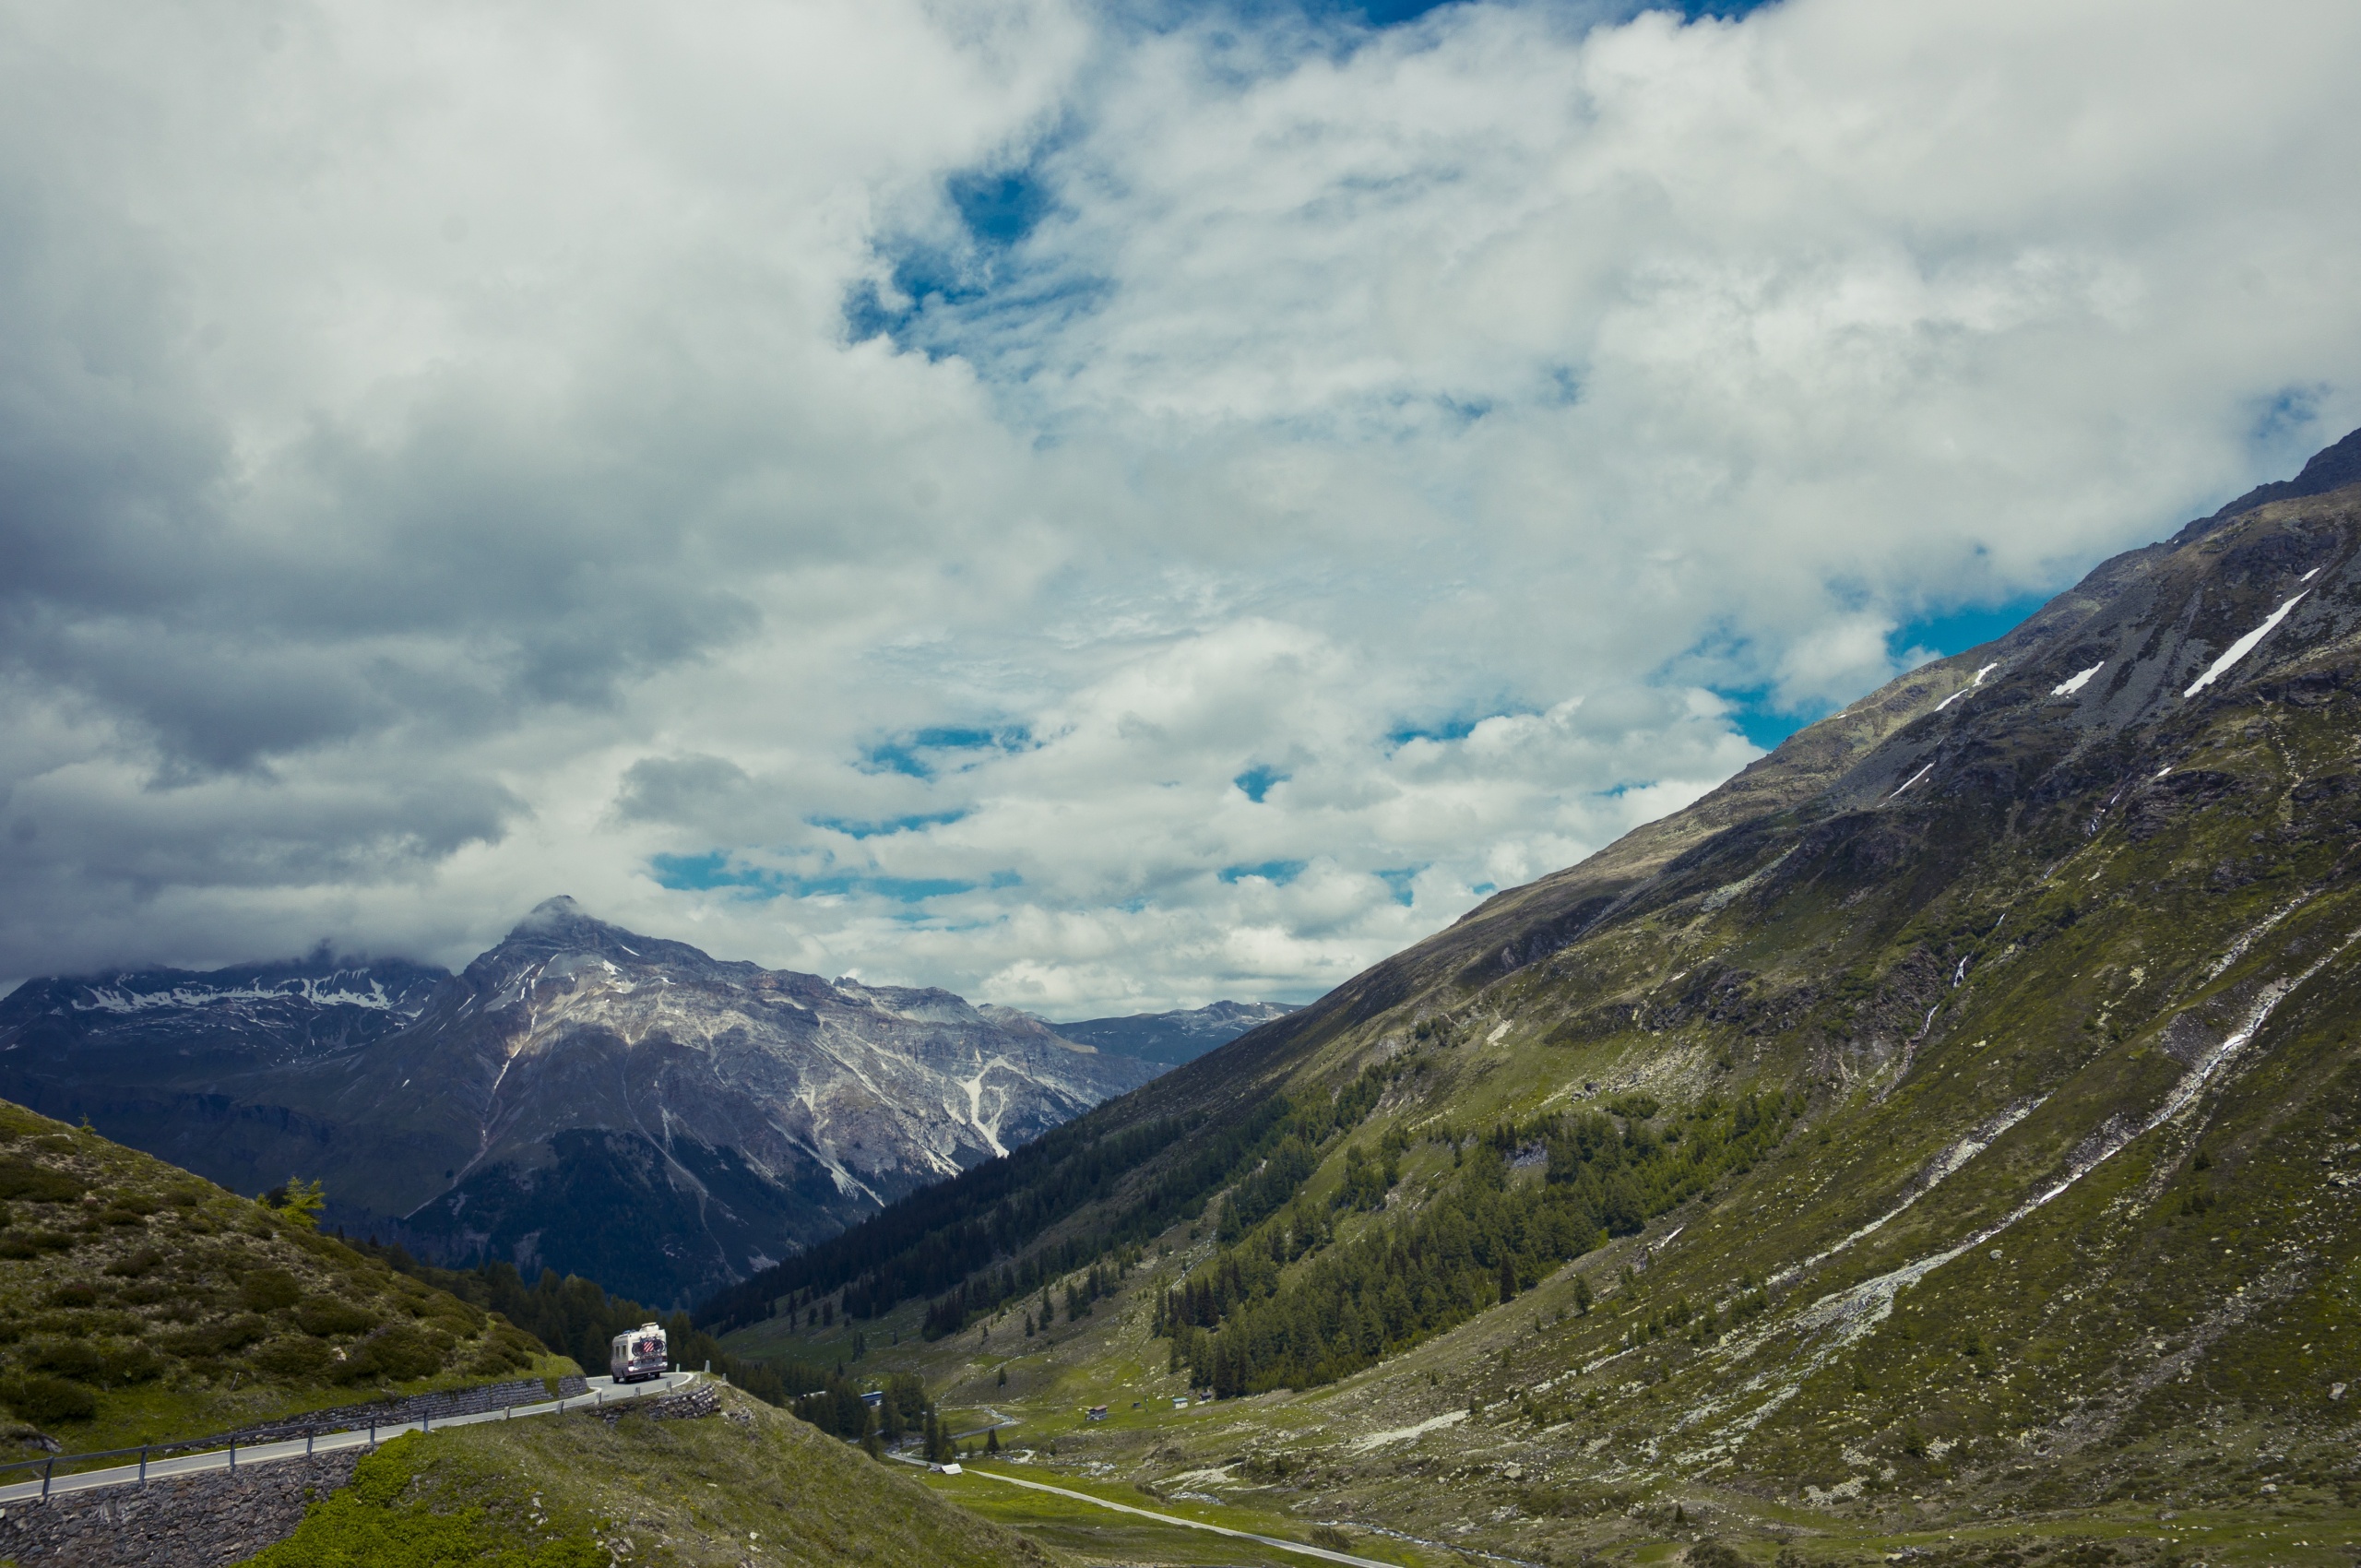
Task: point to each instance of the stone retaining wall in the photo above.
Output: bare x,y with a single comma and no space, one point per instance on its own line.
185,1522
436,1406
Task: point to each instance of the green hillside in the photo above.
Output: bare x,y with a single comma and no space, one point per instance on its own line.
1940,1137
140,1303
746,1483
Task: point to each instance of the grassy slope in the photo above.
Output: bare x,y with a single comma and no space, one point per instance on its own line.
749,1485
2149,1351
140,1303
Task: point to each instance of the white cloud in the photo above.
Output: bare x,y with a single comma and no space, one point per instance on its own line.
437,469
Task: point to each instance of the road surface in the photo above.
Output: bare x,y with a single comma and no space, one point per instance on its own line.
603,1390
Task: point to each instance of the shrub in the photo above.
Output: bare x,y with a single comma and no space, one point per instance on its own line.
128,1364
269,1289
296,1359
323,1316
217,1338
68,1358
142,1262
74,1295
32,1244
42,1400
23,1178
398,1354
1713,1554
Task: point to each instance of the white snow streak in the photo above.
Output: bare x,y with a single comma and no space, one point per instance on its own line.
1855,1310
975,1088
1913,780
324,992
2240,649
1965,690
1946,1164
2074,683
1400,1435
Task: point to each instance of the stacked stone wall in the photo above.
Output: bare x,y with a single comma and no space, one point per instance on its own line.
198,1521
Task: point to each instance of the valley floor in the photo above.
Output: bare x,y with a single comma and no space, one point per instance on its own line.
1392,1466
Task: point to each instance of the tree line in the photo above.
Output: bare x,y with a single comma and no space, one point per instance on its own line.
576,1317
1243,1324
974,1243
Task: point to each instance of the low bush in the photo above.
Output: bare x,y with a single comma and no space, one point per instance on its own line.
297,1359
216,1338
269,1289
398,1354
45,1400
325,1315
34,1184
68,1357
122,1365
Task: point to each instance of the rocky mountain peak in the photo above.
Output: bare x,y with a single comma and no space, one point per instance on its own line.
581,1095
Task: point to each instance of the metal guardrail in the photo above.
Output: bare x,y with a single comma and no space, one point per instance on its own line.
199,1447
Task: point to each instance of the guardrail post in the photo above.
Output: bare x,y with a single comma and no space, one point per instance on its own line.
309,1433
372,1431
426,1420
46,1471
143,1464
233,1455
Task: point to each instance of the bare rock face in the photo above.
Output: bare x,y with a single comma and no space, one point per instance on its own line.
580,1097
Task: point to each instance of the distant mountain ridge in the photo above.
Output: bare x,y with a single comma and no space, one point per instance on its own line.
581,1095
1172,1037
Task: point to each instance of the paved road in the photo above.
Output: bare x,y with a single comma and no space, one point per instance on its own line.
1294,1546
603,1390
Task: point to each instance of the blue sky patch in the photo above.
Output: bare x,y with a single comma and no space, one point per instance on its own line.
1764,723
1256,781
921,753
1964,629
885,828
1277,872
1442,730
714,873
1399,882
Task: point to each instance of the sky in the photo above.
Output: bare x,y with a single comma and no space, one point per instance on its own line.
1096,507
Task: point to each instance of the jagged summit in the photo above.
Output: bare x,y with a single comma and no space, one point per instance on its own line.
2331,468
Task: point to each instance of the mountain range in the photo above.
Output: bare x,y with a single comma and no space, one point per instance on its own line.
580,1096
1941,1139
1175,1037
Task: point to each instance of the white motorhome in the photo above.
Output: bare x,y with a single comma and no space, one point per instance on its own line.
639,1354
